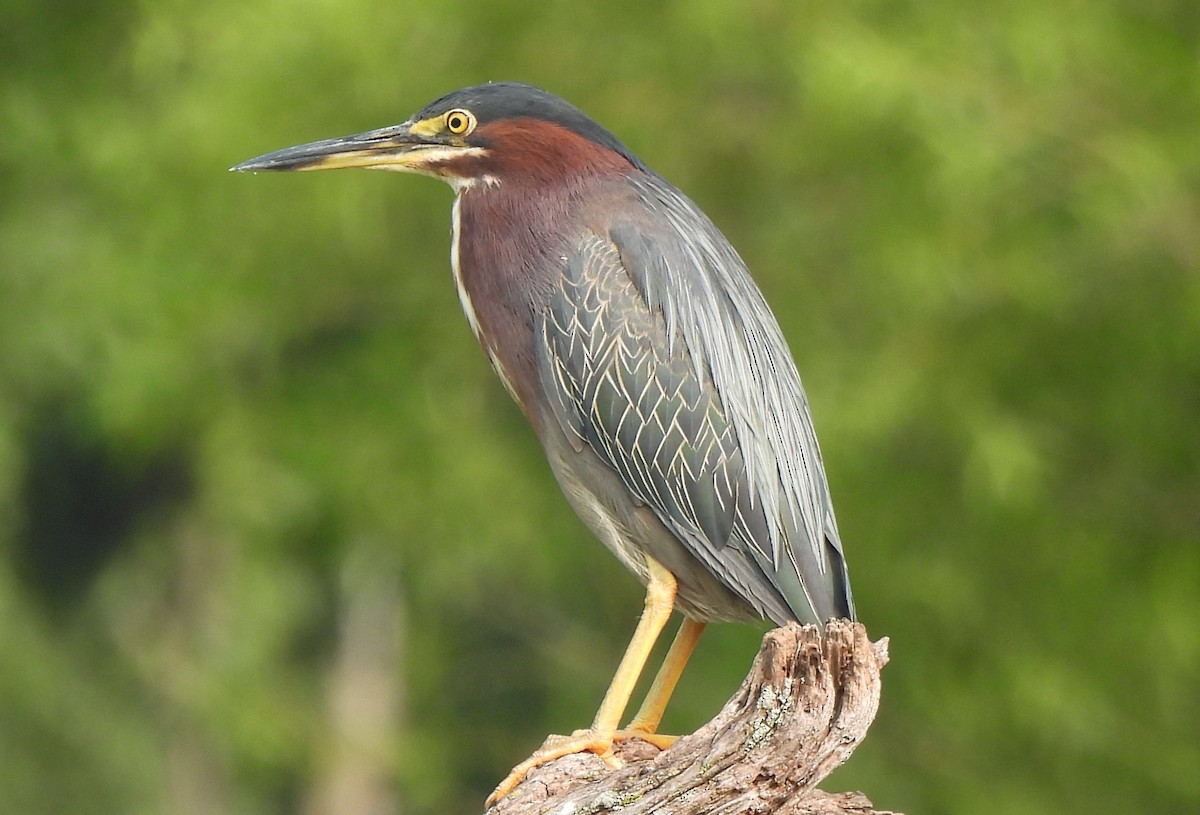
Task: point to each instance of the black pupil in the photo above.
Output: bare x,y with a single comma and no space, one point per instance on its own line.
457,122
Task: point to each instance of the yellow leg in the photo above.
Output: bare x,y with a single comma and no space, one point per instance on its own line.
660,601
598,739
646,720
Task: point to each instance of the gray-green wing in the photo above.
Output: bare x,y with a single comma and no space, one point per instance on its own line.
625,379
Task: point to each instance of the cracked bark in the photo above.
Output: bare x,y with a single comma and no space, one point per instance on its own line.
804,707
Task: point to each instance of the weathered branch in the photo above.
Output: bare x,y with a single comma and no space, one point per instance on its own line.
805,706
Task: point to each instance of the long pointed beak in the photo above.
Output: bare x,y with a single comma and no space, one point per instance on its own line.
389,148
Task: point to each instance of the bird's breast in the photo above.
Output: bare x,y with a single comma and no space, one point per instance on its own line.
464,296
490,260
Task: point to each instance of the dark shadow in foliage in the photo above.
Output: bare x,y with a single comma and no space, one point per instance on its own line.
83,495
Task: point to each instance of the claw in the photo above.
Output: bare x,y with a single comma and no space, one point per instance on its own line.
581,741
555,747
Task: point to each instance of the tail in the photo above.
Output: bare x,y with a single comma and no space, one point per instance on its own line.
843,598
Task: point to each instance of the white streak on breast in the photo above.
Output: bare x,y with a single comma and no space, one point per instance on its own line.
463,297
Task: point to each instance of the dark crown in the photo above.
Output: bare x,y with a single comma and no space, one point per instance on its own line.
496,101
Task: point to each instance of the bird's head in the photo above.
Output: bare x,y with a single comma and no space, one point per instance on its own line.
495,133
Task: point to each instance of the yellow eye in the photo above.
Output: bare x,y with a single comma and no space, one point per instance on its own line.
460,122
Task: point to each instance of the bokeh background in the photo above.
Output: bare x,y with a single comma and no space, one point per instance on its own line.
273,540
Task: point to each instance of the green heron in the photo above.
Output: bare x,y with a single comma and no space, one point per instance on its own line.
631,335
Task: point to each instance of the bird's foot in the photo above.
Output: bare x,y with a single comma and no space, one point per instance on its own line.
659,740
555,747
599,742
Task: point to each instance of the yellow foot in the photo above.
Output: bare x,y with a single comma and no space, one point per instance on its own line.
581,741
662,742
555,747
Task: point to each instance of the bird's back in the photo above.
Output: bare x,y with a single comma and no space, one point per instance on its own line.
662,358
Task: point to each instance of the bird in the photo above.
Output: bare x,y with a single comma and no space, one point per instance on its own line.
633,338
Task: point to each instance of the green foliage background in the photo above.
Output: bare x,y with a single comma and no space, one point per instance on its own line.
273,540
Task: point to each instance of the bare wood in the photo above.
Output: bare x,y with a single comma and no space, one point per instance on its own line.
805,706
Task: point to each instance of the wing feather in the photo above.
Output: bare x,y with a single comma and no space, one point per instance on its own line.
659,353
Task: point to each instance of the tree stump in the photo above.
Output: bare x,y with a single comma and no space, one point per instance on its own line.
805,706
